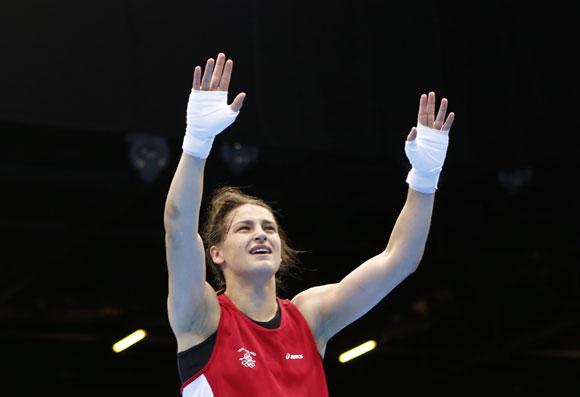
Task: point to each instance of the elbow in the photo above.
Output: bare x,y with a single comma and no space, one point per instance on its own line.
178,230
414,261
174,221
406,264
180,219
411,258
406,268
414,266
172,212
409,266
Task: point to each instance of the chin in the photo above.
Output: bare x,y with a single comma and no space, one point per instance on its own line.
266,264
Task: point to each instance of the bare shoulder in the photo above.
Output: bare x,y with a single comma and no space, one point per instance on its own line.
311,303
307,298
202,325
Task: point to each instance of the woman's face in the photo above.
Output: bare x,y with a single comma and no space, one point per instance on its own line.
252,246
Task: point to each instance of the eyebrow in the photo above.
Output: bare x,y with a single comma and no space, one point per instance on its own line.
247,221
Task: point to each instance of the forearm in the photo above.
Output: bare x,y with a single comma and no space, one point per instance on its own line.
409,236
183,202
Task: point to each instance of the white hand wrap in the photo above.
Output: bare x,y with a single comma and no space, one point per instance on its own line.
208,114
426,154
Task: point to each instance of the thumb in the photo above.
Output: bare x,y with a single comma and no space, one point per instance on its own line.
412,135
238,101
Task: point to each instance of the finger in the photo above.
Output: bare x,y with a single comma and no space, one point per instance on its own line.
448,122
217,72
196,78
441,114
412,135
225,81
238,101
422,115
207,74
431,109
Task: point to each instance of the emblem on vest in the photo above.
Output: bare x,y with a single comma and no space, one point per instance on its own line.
247,360
294,356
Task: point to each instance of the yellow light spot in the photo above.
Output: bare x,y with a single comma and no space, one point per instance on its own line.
129,340
357,351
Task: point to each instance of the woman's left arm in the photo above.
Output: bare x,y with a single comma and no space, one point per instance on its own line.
330,308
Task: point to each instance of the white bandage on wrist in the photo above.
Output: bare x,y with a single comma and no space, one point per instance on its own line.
208,114
427,154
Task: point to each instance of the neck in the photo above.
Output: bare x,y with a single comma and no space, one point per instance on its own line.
257,303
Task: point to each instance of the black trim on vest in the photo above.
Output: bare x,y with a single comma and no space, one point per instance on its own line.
190,361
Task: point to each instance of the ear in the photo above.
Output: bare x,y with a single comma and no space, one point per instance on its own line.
216,255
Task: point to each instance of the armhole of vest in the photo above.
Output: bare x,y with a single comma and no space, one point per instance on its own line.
206,366
299,313
201,346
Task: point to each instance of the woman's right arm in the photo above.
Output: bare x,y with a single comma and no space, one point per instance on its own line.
191,300
192,303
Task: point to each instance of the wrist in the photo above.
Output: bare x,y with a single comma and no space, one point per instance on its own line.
424,182
197,147
208,114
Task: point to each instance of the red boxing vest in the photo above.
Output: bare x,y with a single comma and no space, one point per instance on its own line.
250,360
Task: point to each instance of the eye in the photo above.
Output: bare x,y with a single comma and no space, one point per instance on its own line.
243,228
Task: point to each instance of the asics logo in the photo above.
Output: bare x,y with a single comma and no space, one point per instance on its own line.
294,356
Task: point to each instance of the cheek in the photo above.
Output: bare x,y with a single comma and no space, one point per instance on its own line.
233,249
238,247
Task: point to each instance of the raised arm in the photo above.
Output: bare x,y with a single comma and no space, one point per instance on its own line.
192,306
330,308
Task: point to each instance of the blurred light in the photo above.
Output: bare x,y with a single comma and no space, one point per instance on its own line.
129,340
148,154
558,353
357,351
516,179
239,157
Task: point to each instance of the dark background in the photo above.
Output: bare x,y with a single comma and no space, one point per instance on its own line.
88,88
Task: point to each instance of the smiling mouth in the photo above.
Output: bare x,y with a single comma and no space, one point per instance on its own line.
263,250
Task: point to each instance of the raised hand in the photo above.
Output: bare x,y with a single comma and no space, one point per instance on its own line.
426,145
216,77
208,112
426,115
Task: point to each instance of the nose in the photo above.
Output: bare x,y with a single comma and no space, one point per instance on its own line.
260,236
